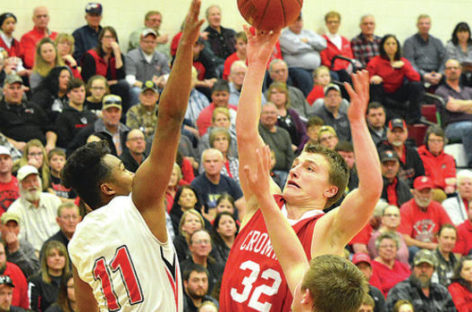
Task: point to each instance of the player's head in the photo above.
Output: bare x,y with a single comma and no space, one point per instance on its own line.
317,174
332,283
96,175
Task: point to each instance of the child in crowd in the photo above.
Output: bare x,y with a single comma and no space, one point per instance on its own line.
57,160
313,126
321,79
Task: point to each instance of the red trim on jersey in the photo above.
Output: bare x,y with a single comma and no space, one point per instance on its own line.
174,285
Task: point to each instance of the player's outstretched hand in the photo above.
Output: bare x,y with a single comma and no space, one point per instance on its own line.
258,178
192,23
261,44
359,95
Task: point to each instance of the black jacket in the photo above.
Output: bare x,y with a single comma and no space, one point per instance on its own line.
70,122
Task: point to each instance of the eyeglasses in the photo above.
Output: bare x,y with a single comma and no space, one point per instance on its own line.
328,138
202,242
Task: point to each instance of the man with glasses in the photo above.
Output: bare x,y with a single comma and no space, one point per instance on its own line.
152,20
134,155
86,37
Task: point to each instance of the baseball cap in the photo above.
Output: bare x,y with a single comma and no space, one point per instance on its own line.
397,123
361,257
388,155
148,31
10,216
4,151
424,255
149,85
26,171
422,182
94,8
6,280
12,78
331,86
111,100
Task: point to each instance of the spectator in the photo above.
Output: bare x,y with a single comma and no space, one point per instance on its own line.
44,286
46,58
236,78
367,305
313,126
51,94
65,49
203,61
366,45
143,116
321,79
11,45
460,48
327,137
220,139
211,184
9,191
74,117
57,160
220,39
40,30
439,166
336,45
190,222
386,268
36,156
464,236
152,20
196,287
419,290
175,179
185,198
97,88
422,217
403,306
410,161
346,150
6,295
18,250
86,37
224,231
301,50
208,306
393,78
278,72
196,102
395,190
331,113
107,60
457,206
200,247
134,154
66,300
21,121
376,122
145,63
425,52
446,260
364,264
460,289
225,203
389,223
239,55
37,210
20,292
457,115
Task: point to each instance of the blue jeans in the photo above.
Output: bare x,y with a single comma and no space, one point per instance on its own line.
302,79
462,130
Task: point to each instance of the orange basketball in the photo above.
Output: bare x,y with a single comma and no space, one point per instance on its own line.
270,14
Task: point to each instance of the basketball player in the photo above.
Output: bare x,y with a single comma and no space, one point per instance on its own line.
123,260
253,279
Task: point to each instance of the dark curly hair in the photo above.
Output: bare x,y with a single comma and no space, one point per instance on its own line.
85,171
398,54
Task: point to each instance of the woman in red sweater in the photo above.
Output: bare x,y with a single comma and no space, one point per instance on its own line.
461,287
392,76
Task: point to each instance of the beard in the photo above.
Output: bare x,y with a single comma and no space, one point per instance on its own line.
30,195
423,203
196,294
423,280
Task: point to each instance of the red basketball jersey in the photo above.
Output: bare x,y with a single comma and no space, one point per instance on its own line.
253,279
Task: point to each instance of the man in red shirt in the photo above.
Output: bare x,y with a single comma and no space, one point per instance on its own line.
9,191
422,217
40,30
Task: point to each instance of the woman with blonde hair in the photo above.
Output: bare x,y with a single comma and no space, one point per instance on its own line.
35,155
46,59
190,222
65,49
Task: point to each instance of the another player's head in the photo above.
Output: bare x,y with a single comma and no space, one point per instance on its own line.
332,283
318,174
96,175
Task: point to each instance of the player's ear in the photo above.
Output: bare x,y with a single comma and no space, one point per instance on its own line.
307,299
331,191
107,189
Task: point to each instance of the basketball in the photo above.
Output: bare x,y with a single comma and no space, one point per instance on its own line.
270,14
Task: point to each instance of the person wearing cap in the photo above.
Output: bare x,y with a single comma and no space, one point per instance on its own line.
395,190
6,295
145,63
21,120
37,210
74,116
152,20
376,122
332,115
420,290
9,190
134,154
411,165
18,250
363,262
40,30
143,116
86,37
422,217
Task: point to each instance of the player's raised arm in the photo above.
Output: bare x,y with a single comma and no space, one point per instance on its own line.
153,175
337,228
259,50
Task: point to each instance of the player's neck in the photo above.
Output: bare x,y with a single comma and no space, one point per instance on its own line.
296,210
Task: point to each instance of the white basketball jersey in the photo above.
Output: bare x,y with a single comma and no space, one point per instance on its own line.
127,267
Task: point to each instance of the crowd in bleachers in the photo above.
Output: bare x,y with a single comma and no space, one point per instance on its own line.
60,91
